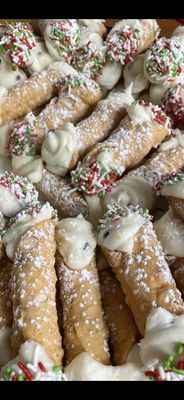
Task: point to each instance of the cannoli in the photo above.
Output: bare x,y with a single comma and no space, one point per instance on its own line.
77,97
173,102
72,143
170,232
16,193
129,243
145,127
41,57
6,314
123,332
31,93
130,37
32,364
140,186
29,239
134,72
62,37
83,325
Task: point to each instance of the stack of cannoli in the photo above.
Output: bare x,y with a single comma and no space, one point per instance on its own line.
91,284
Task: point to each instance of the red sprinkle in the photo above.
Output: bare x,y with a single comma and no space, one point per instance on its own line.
27,373
14,378
180,365
42,367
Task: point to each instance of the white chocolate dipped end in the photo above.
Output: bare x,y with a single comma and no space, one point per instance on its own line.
24,220
39,366
173,188
5,345
16,193
86,36
133,72
109,75
175,141
10,77
76,242
163,331
85,368
42,58
29,166
58,148
133,190
170,231
119,226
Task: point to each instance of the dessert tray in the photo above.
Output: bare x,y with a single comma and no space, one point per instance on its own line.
91,200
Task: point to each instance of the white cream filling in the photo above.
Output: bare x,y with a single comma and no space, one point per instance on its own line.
76,242
175,190
14,233
139,114
42,58
9,77
5,345
85,368
109,75
58,148
177,141
32,352
163,331
170,231
131,190
29,166
119,235
133,72
10,205
118,96
156,92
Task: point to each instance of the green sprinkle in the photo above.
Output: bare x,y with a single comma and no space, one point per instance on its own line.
178,371
7,377
56,368
8,370
20,378
179,348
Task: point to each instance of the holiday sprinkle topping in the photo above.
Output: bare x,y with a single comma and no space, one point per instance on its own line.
20,140
165,59
173,102
78,80
65,35
33,211
115,213
158,114
123,45
95,178
18,40
20,186
89,60
170,179
172,368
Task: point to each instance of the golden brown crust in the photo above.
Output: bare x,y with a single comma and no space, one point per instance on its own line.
33,286
123,332
83,325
